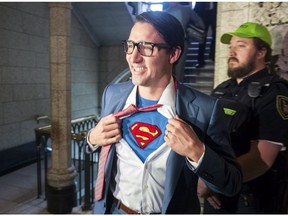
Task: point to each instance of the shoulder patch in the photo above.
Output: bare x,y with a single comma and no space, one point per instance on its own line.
282,106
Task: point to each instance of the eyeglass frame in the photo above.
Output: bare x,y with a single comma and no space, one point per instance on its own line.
158,45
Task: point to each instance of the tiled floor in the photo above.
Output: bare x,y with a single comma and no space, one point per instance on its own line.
18,193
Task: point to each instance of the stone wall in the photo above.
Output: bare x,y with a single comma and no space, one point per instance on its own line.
84,72
112,61
24,70
232,14
25,75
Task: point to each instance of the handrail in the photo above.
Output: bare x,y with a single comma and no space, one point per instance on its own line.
81,119
79,128
85,118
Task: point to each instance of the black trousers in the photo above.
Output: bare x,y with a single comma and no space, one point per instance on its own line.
245,203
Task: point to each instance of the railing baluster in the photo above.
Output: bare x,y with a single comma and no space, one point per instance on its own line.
79,128
87,201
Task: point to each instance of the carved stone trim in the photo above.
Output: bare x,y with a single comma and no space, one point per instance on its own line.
271,13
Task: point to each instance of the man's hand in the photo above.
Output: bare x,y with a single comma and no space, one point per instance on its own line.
181,137
202,189
106,132
204,192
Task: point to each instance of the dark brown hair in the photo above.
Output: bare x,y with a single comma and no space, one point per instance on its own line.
167,25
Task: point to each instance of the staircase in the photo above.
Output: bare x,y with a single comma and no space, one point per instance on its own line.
199,78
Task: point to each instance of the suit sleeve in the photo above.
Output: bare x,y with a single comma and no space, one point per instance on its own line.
219,168
89,147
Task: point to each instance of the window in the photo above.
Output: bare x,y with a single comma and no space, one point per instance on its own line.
150,6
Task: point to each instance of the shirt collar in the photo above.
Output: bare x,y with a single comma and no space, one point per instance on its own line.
167,99
254,77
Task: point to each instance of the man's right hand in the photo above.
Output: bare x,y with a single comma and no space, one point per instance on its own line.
106,132
204,192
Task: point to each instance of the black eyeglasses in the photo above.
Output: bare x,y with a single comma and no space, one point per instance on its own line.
144,48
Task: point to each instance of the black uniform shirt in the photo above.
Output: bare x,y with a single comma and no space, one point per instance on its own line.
269,118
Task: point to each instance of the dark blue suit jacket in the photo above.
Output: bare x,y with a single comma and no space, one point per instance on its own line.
219,168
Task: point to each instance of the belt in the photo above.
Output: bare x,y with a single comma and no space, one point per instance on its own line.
124,207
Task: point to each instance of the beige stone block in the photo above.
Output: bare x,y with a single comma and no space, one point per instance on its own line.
61,175
223,50
59,49
60,20
221,73
60,77
232,6
229,21
61,102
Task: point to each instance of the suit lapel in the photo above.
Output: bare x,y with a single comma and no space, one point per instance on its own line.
174,168
115,100
185,106
187,110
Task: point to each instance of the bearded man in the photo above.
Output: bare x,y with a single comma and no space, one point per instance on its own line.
256,106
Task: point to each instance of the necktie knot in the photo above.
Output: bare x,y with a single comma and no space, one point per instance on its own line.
131,109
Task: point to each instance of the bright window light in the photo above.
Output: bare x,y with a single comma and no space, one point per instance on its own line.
156,7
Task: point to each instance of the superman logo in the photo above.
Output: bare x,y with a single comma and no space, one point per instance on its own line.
144,133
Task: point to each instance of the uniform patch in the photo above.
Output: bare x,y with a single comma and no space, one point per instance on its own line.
229,112
282,106
144,133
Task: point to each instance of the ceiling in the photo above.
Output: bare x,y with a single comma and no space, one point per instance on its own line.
107,23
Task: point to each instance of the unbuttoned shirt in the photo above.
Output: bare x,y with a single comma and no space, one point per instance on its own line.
139,184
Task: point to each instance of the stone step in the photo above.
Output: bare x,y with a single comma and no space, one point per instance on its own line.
202,78
208,40
194,56
194,49
192,62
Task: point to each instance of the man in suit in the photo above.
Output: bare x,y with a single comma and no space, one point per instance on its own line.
156,157
186,15
208,12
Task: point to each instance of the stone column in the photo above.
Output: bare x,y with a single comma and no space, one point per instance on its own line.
60,189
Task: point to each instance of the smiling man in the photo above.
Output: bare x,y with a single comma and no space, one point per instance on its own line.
256,107
156,157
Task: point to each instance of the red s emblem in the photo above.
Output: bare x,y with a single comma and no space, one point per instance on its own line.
144,133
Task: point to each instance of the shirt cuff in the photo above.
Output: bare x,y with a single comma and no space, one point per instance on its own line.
90,148
193,165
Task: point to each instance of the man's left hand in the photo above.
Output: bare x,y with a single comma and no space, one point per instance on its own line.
181,137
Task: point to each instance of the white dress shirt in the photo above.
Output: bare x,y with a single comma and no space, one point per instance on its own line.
138,185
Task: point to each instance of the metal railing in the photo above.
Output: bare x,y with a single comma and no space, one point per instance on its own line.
85,164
